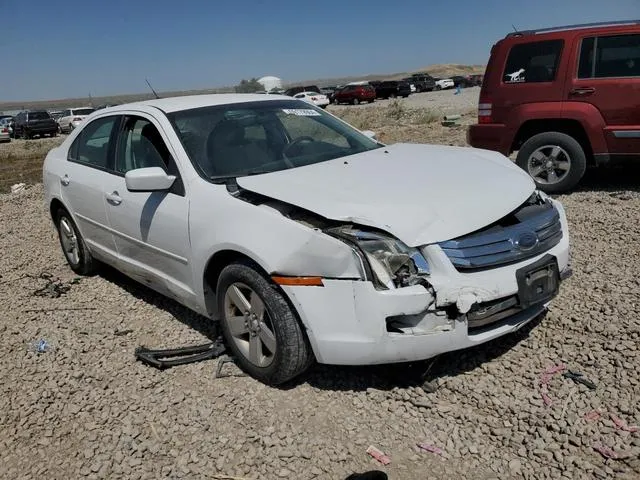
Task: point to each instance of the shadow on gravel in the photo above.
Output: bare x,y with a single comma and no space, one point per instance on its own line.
404,375
611,179
191,319
342,378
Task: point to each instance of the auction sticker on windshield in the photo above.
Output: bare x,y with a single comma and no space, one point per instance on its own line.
301,112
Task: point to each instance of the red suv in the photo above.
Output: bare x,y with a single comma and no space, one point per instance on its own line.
355,94
564,98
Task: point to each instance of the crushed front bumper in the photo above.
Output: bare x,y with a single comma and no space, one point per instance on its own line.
349,322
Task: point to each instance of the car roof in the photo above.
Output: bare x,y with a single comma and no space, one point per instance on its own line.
176,104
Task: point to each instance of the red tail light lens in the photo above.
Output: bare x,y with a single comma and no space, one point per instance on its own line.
77,119
5,130
484,113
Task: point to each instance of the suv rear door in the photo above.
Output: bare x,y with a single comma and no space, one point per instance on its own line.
606,74
531,71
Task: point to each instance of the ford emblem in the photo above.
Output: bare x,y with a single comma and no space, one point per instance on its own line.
526,241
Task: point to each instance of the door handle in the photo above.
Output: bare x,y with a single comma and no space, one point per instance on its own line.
65,180
582,91
113,198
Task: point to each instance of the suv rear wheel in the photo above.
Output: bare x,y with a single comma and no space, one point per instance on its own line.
555,161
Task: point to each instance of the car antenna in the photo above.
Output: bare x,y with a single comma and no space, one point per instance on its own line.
154,92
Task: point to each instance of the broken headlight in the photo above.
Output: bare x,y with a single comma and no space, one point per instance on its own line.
392,264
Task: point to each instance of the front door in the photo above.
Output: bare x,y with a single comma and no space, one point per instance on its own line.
608,77
151,229
82,184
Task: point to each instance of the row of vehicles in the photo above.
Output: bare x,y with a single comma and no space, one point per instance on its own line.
368,91
40,123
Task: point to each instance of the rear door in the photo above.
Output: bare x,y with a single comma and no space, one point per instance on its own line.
82,183
531,72
151,229
607,76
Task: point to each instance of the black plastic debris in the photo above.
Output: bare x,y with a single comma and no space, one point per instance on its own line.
168,358
370,475
577,377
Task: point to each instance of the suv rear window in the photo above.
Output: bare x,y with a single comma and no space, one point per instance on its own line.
533,62
614,56
38,115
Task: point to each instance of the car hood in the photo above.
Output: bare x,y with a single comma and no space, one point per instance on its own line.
419,193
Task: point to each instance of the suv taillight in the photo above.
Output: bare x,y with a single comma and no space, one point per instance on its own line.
484,113
77,119
5,130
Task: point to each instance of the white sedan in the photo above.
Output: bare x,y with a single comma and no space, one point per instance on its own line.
306,238
315,98
72,117
444,83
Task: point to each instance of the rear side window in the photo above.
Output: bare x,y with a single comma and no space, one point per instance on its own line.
610,57
533,62
92,145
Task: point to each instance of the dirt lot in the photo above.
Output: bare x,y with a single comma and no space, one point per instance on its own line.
86,408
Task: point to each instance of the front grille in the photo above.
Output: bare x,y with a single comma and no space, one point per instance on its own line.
529,231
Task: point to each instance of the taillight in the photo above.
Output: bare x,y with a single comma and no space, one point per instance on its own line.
314,98
77,119
5,130
484,113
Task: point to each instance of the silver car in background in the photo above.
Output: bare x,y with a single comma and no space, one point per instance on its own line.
72,117
5,129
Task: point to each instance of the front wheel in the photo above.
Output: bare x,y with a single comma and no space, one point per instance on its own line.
25,134
356,101
260,327
555,161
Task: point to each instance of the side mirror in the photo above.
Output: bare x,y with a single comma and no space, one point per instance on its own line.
370,134
150,179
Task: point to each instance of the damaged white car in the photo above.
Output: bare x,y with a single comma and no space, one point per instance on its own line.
308,239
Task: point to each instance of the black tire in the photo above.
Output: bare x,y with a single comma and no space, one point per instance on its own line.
577,157
54,134
25,134
437,88
393,95
356,101
293,353
86,265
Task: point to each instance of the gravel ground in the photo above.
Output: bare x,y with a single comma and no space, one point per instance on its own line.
86,408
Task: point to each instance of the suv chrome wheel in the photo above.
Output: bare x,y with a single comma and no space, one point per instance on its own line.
549,164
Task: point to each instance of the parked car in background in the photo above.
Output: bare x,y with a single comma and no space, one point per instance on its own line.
443,84
461,81
355,94
476,79
329,91
7,122
106,105
564,98
31,123
72,117
5,134
422,81
393,89
55,114
315,98
293,90
412,86
270,218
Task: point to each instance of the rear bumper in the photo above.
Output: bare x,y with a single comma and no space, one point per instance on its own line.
494,137
41,128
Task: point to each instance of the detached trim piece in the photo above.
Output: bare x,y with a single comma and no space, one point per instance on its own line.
298,281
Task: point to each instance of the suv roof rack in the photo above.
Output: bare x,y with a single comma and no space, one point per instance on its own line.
573,27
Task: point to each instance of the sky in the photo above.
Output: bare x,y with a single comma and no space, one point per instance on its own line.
72,48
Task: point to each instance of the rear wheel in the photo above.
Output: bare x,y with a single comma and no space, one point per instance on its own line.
73,246
356,101
260,327
25,134
555,161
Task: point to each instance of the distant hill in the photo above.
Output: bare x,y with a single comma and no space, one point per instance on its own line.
438,70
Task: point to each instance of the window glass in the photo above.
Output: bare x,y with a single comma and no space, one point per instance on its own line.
260,137
142,146
618,56
585,66
92,145
83,111
533,62
38,115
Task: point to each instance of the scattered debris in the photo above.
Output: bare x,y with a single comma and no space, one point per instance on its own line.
222,361
605,451
18,187
545,378
430,448
622,425
41,346
162,359
578,378
592,415
121,333
451,120
370,475
378,455
54,287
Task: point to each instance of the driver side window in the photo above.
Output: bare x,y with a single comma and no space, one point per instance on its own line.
141,146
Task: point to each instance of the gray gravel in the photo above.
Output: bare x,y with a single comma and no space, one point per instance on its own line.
85,408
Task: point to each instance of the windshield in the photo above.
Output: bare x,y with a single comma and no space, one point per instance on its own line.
82,111
261,137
